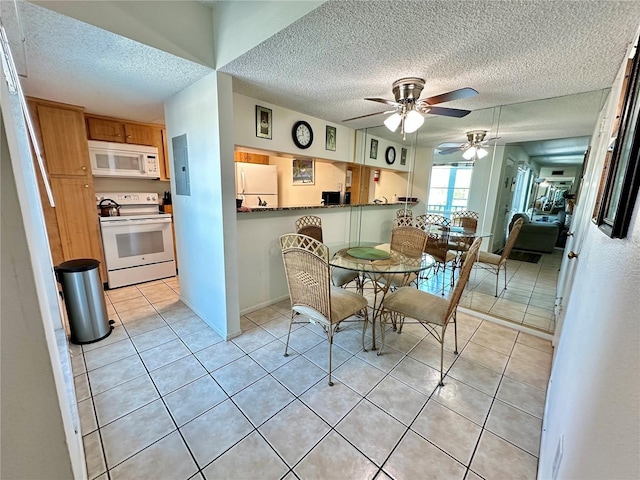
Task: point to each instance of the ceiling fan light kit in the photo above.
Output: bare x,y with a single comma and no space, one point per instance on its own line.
473,149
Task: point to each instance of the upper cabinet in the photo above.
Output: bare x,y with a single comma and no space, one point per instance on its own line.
109,129
251,158
63,140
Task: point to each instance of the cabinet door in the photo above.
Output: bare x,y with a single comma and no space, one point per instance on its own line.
139,134
77,217
160,143
64,140
105,130
251,158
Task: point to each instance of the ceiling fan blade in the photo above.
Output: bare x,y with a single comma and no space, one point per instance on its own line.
368,115
448,151
489,140
447,112
451,96
449,145
384,100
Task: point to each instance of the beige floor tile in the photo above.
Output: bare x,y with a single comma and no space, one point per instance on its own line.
403,342
283,306
94,458
111,353
170,303
397,399
350,339
331,403
253,339
335,454
246,324
294,431
515,426
476,376
429,354
145,325
532,355
161,355
262,400
215,431
167,458
246,459
177,314
472,476
485,356
417,458
137,314
148,340
130,434
463,399
534,321
385,360
271,356
118,333
358,375
238,374
509,311
496,458
304,339
299,375
320,355
87,416
535,342
540,312
177,374
417,375
448,430
200,340
495,341
193,399
524,397
131,304
527,373
114,374
263,315
81,383
125,293
278,327
189,326
219,354
372,431
165,294
124,399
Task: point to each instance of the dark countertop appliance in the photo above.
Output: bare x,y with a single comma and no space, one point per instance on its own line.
331,198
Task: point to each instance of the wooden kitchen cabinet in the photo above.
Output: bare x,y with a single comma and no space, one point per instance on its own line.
109,129
360,184
73,225
251,158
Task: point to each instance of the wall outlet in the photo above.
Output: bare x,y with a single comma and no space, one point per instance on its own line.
557,459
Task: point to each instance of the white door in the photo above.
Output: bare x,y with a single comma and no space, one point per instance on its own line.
503,209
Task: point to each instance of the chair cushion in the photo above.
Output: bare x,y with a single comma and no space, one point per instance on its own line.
397,279
491,258
344,304
342,276
417,304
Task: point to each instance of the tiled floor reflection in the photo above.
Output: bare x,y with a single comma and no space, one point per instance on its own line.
165,397
528,300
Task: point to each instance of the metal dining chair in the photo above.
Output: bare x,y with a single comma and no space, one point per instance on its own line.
306,265
311,226
410,305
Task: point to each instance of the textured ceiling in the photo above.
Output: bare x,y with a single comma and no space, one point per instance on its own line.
515,53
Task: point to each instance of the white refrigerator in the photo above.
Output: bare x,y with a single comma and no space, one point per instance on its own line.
257,185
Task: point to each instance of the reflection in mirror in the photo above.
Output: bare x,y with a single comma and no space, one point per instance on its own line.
533,169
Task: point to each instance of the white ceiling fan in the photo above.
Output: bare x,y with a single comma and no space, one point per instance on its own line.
473,149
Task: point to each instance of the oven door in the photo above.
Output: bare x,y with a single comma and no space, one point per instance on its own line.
134,242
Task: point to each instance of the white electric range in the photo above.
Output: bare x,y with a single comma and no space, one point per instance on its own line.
138,244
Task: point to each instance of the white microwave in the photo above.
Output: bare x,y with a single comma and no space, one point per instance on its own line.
123,160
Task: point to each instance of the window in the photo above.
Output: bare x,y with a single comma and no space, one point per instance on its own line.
449,190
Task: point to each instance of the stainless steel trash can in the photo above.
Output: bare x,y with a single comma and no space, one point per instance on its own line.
84,298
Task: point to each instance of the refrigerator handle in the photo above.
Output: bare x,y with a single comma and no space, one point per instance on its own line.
242,177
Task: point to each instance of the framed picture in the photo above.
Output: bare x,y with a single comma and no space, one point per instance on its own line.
330,143
303,172
263,122
623,176
373,152
403,156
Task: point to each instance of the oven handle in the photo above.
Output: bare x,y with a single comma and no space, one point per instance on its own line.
145,221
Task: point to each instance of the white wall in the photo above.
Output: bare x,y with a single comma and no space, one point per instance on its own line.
205,222
39,435
593,399
244,132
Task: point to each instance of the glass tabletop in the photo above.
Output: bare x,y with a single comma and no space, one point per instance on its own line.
455,232
373,257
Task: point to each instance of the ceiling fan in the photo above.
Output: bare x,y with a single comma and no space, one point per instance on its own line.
409,108
473,148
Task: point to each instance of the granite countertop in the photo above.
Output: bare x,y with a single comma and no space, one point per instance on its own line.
309,207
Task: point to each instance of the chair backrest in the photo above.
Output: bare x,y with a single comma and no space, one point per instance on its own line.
403,222
409,241
465,272
404,212
467,220
511,240
422,221
306,266
311,226
437,244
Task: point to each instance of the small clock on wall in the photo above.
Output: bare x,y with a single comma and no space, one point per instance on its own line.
302,134
390,155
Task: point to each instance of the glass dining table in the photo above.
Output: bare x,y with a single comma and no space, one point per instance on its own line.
381,265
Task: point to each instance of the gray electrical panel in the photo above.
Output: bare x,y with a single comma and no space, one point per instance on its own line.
181,165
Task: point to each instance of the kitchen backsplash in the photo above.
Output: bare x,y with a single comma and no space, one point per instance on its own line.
130,185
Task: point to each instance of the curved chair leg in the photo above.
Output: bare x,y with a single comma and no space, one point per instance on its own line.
497,279
505,275
330,332
286,347
365,314
455,332
383,325
441,362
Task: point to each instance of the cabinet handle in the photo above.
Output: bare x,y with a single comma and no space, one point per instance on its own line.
572,255
83,168
128,136
86,185
570,234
